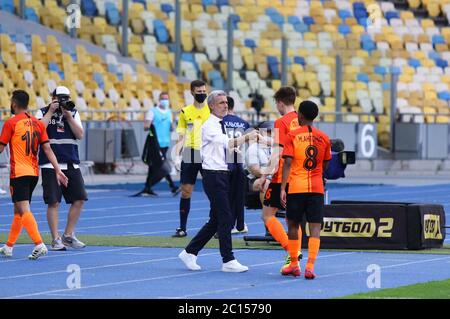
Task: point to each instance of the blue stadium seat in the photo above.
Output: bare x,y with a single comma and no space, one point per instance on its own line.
166,8
415,63
359,6
386,86
299,60
361,14
271,11
216,79
272,61
344,29
344,14
250,43
31,15
363,77
441,63
301,27
445,95
161,33
391,15
368,45
438,39
98,78
222,3
7,5
277,19
53,67
89,8
363,22
112,14
308,20
293,20
433,55
380,70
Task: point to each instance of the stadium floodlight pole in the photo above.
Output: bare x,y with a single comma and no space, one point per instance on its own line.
284,60
177,38
125,27
338,88
393,101
22,8
230,61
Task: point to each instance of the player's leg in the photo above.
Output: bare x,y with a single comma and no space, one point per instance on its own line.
75,195
293,247
14,233
270,207
314,218
188,177
52,197
294,216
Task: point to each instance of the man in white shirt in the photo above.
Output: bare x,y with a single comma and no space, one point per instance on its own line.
216,183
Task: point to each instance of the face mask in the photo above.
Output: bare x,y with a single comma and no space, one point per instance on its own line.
164,103
12,111
200,98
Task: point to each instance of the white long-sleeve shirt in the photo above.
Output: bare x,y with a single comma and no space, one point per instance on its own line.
214,144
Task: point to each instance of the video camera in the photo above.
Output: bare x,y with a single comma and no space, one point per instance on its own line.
63,95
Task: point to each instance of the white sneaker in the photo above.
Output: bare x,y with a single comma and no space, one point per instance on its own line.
234,266
190,260
38,251
234,231
2,191
58,245
6,251
245,230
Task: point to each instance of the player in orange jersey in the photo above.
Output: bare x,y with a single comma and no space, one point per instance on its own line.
284,99
24,133
306,153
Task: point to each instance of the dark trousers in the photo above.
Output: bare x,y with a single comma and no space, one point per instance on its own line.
237,195
217,188
154,174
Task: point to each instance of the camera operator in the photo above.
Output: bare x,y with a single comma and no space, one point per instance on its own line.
64,128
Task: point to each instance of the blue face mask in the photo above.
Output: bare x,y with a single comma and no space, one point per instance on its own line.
164,103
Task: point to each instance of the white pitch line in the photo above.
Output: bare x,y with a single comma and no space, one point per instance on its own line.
5,260
290,280
149,279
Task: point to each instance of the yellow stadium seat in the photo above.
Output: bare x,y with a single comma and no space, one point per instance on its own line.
427,23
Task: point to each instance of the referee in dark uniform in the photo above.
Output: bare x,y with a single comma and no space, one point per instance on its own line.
216,183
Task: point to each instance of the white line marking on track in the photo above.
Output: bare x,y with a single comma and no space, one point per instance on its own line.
142,279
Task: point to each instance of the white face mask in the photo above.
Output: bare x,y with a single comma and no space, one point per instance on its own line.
164,103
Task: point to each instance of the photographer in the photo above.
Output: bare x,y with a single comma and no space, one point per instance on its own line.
64,128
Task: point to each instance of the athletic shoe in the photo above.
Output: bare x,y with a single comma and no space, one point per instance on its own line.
291,270
287,260
6,251
309,274
57,245
236,231
2,191
245,230
72,241
190,260
233,266
179,233
145,193
175,190
38,251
